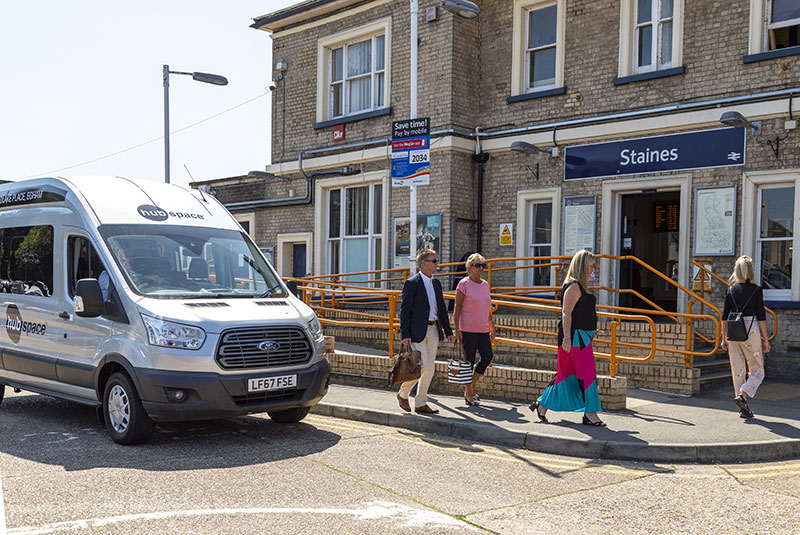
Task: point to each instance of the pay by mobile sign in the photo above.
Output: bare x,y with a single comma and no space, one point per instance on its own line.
411,152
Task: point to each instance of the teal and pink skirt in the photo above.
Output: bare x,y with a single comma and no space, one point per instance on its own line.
575,385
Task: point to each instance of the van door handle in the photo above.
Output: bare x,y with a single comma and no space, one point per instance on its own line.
63,315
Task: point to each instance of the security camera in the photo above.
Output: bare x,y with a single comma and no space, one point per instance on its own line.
273,85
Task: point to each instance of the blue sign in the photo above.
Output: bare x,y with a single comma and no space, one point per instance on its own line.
411,154
722,147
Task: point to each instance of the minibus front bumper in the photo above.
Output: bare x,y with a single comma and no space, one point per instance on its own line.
212,395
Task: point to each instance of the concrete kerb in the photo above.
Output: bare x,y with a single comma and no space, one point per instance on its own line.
586,448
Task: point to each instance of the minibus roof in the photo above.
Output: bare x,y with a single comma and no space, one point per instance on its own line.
122,201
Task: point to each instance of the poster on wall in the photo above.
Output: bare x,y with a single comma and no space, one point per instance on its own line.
714,221
269,253
429,236
579,223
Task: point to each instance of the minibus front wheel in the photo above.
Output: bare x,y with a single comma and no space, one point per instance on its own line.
126,420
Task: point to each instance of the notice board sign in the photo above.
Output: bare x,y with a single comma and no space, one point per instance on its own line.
411,152
580,213
665,216
714,221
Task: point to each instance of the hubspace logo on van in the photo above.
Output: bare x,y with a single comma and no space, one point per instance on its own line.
16,327
154,213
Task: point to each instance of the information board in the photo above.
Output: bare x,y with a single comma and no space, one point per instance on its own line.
579,223
411,152
714,221
665,216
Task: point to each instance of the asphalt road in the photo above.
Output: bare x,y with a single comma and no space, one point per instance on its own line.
61,473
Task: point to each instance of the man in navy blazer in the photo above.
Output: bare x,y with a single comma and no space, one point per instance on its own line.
423,323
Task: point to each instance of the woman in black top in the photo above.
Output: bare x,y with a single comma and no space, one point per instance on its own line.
575,385
747,357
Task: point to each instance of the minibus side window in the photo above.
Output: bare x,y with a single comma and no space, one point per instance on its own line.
83,262
26,260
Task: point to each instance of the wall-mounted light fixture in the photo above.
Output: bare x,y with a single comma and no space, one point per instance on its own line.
462,8
528,148
737,120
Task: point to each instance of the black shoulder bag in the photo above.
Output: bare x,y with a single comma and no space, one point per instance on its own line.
737,332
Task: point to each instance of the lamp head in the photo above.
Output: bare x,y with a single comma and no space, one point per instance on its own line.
209,78
462,8
737,120
522,146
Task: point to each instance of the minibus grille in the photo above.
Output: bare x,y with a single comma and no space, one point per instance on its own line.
263,347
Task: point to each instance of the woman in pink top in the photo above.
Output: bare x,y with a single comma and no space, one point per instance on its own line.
474,327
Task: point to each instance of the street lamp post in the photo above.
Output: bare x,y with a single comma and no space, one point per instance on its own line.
198,76
464,9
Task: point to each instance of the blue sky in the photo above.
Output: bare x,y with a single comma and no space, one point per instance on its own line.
81,79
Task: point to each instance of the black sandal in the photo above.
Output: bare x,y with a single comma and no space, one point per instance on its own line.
535,408
598,423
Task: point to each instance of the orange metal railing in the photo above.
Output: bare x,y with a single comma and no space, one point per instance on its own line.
348,295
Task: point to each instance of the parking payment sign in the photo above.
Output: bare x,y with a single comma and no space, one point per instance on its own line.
411,152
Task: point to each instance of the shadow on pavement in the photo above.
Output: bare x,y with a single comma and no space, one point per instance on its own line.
55,432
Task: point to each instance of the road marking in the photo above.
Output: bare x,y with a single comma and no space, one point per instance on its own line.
2,508
347,426
409,516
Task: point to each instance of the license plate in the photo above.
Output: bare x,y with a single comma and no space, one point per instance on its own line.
271,383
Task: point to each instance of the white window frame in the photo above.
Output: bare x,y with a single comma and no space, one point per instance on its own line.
753,183
525,199
628,49
321,192
250,219
519,55
327,45
282,257
760,24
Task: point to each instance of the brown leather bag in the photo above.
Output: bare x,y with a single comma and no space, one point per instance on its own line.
406,366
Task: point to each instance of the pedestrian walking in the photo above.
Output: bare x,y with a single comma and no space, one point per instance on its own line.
747,356
474,326
575,385
423,323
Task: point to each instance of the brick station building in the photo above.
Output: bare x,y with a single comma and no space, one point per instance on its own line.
564,123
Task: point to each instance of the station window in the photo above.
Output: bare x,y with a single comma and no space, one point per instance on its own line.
775,238
538,50
540,238
783,23
355,229
353,72
650,35
26,260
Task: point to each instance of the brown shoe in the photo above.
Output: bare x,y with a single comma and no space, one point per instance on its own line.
426,410
403,403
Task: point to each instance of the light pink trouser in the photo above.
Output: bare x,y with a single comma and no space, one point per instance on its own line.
747,356
428,348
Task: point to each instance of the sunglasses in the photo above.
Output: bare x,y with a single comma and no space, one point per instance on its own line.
484,266
435,260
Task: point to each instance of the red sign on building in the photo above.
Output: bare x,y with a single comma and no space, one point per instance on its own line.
338,132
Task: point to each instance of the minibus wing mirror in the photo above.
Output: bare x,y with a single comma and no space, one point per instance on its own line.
88,298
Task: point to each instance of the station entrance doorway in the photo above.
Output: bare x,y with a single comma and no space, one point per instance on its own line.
649,229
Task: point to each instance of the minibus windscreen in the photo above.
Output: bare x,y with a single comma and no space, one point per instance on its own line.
180,262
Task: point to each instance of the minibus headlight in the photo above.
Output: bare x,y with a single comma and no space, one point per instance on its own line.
315,328
168,334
